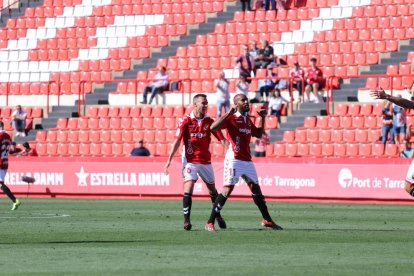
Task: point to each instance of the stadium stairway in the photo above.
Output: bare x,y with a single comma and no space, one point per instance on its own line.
100,95
17,11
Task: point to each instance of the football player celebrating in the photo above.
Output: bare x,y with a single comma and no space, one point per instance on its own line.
194,130
238,162
5,142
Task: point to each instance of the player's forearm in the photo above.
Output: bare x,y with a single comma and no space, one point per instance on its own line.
215,126
173,150
400,101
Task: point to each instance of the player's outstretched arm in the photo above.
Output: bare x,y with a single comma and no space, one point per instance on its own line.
174,149
217,124
380,94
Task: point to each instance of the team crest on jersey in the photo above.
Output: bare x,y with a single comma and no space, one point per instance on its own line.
206,127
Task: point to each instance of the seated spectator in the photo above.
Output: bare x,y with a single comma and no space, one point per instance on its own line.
253,49
407,151
140,150
222,94
159,85
387,124
269,85
19,121
14,150
245,63
399,122
314,79
298,75
265,55
276,104
260,145
27,150
242,86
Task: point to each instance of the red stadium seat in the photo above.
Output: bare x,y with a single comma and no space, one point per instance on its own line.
327,149
291,149
378,150
310,122
352,149
348,135
315,150
289,136
325,135
391,150
279,149
340,149
302,149
300,135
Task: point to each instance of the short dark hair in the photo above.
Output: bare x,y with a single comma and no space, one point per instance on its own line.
313,59
1,124
13,143
141,141
199,96
26,145
237,96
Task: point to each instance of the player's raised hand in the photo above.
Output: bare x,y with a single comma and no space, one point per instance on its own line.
232,110
262,113
378,94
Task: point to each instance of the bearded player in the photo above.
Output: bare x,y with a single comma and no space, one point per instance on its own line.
380,94
5,142
238,162
194,130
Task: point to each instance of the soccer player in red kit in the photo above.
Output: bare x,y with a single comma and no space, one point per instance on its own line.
194,130
5,142
238,162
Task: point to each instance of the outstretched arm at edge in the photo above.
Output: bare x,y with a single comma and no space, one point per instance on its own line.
380,94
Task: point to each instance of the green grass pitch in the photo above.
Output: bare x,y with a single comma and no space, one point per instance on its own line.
145,237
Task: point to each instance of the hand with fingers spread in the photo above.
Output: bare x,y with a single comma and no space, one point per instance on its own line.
379,94
262,113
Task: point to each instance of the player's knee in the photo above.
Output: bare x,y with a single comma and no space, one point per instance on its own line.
227,190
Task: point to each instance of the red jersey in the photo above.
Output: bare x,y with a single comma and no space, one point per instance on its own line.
196,135
240,130
314,75
297,73
5,142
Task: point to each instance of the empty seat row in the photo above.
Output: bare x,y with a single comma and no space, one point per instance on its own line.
140,111
335,121
333,150
303,135
32,112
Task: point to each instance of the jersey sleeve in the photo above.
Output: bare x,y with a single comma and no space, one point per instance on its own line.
180,129
218,134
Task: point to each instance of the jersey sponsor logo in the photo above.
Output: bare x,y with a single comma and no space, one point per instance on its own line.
245,130
189,147
198,135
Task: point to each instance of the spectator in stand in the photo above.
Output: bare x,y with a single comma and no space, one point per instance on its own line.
407,151
27,150
253,49
19,121
246,5
222,95
242,86
265,55
387,124
298,75
269,85
245,62
140,150
159,85
276,104
399,122
14,150
280,83
314,78
260,145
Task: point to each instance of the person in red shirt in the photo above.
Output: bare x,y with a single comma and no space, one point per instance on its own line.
194,130
5,142
298,76
314,78
238,161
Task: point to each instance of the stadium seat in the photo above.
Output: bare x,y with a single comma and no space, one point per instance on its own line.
300,135
378,150
279,149
302,149
289,136
340,149
291,149
352,149
327,149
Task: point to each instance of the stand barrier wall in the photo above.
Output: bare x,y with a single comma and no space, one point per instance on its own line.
320,178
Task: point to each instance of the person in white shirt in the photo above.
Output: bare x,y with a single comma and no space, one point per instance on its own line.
159,85
19,121
242,86
222,95
276,103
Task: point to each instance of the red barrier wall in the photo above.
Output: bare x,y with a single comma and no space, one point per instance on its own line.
375,179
